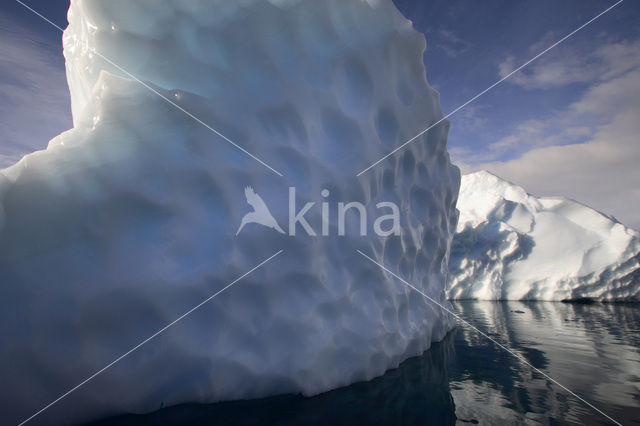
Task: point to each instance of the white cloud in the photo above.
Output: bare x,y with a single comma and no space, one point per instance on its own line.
35,98
589,150
449,42
566,64
558,128
526,134
604,171
594,66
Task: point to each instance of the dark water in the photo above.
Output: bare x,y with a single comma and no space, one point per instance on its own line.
592,349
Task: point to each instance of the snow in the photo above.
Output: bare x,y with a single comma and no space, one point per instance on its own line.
128,220
514,246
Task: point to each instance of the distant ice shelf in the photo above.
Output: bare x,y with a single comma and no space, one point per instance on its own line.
511,245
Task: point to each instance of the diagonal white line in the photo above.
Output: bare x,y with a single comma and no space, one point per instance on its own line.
519,357
162,96
136,347
490,87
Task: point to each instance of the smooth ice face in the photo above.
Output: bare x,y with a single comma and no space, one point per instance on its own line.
130,218
513,246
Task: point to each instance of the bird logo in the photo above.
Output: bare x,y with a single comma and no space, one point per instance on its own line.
260,214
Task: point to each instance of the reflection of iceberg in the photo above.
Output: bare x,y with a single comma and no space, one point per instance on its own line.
466,378
588,348
129,219
513,246
415,393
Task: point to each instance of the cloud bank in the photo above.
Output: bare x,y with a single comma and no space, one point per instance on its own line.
602,169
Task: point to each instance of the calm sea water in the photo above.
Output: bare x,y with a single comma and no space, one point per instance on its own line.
592,349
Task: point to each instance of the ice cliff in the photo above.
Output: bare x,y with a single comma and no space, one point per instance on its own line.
514,246
129,219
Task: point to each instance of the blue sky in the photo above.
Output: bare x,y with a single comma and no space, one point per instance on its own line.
469,43
565,125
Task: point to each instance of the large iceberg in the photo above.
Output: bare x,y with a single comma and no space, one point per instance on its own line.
511,245
129,219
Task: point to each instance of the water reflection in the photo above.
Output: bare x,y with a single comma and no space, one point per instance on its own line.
591,349
594,350
415,393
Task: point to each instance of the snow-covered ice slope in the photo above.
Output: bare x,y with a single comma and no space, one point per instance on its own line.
129,219
514,246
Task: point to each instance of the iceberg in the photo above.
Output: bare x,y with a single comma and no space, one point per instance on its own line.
129,219
511,245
